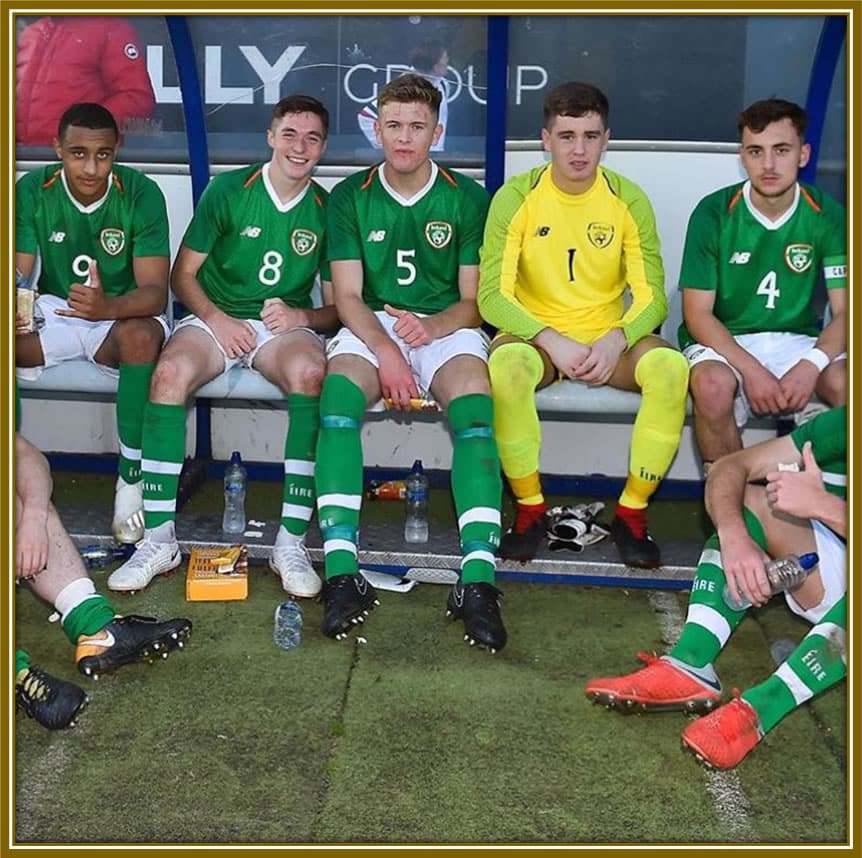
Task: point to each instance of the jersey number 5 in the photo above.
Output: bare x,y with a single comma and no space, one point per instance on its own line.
769,287
403,261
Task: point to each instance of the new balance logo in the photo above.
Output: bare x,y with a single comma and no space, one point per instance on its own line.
376,235
542,231
57,237
251,231
739,258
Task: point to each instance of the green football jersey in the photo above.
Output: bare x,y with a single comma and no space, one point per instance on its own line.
827,433
410,251
130,221
764,273
258,247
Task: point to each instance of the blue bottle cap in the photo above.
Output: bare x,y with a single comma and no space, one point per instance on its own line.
417,467
809,561
235,458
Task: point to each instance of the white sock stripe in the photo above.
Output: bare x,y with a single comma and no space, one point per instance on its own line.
487,556
73,594
345,501
299,467
710,555
835,634
294,510
481,514
709,619
131,453
156,466
800,691
160,505
330,545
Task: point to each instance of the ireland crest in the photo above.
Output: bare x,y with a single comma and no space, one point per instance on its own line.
438,233
112,240
798,257
303,241
600,234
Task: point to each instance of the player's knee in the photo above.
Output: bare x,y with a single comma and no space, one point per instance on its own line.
832,384
512,369
713,388
663,372
172,378
138,340
304,376
342,403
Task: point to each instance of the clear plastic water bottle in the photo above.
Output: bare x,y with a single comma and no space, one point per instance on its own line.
234,495
102,556
416,505
785,573
288,625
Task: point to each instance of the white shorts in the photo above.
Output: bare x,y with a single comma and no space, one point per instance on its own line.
775,350
832,551
262,336
424,361
63,338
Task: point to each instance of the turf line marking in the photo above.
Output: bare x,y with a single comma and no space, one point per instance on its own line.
725,789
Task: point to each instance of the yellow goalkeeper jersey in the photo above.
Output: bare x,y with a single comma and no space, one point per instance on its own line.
558,260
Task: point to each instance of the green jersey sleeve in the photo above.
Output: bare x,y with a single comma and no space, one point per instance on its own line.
473,223
151,235
342,225
209,221
828,436
26,240
699,268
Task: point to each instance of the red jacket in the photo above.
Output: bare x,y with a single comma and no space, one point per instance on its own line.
64,60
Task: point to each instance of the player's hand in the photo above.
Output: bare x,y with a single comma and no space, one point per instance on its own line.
31,546
745,569
279,318
235,336
566,354
88,301
600,363
763,391
799,493
412,329
798,383
396,377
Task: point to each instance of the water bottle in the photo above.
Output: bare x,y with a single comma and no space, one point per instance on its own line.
102,556
288,625
25,302
234,495
783,574
416,503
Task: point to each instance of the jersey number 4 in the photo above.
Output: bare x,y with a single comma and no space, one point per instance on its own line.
769,287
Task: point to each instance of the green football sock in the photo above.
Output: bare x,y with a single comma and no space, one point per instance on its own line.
709,622
22,661
299,449
338,473
476,485
88,617
818,663
164,449
133,389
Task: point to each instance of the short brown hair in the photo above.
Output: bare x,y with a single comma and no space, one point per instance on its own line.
301,104
757,116
409,89
575,99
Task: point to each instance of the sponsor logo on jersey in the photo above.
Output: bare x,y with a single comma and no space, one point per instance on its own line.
57,237
112,240
542,231
376,235
740,257
303,241
131,51
600,234
799,257
438,233
250,231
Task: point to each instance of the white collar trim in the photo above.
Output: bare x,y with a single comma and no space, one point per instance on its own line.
404,201
761,218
